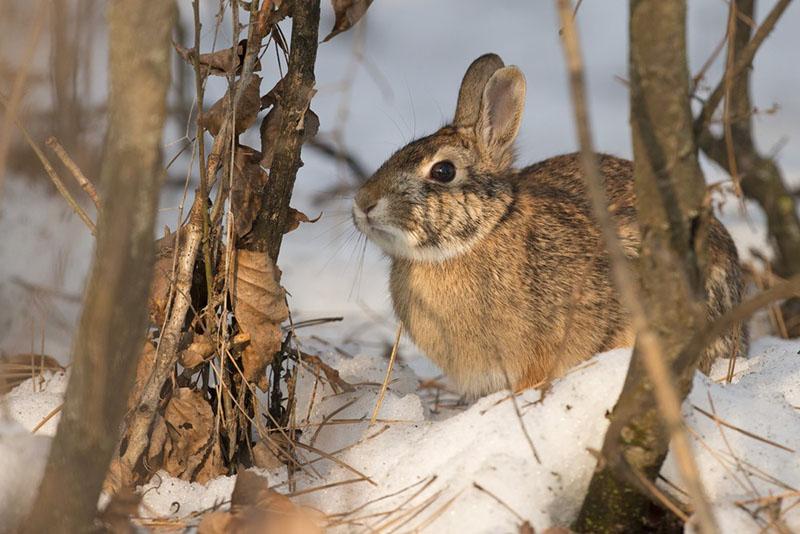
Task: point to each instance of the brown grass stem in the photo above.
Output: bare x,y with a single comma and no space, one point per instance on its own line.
388,376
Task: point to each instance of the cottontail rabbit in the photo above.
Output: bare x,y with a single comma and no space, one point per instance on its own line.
498,271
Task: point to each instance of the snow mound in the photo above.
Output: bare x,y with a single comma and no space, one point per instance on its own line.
413,470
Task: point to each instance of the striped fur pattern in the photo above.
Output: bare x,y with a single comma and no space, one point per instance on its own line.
499,275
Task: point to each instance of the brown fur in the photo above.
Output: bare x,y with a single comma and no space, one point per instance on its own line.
502,271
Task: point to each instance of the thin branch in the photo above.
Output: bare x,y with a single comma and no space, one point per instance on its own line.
743,62
742,312
342,155
73,168
51,172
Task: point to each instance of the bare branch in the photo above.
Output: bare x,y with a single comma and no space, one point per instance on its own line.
73,168
743,61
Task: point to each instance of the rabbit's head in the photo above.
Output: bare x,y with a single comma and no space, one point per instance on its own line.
437,196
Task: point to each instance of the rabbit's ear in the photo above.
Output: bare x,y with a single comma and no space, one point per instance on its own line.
471,92
501,111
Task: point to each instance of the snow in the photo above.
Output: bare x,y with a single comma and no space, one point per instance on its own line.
414,456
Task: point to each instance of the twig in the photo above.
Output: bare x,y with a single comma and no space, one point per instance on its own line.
51,172
73,168
742,312
660,495
388,376
743,62
47,417
726,113
742,431
498,500
340,154
667,397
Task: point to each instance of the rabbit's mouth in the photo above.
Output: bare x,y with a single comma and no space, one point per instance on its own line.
395,241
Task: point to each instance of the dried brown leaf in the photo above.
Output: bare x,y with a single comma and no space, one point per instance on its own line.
271,125
246,110
260,308
219,63
117,477
249,181
264,457
116,516
191,450
216,523
310,125
198,351
348,13
256,509
337,383
295,218
250,489
158,437
269,131
159,289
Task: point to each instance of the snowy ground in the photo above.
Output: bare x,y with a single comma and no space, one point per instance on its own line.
425,466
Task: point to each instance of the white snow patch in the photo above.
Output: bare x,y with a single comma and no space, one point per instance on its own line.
30,402
432,465
22,460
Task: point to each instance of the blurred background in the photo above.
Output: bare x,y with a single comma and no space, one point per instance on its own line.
391,79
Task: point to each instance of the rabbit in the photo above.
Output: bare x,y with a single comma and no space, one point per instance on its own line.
498,274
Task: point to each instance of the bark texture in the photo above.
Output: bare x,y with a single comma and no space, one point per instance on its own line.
297,91
114,317
670,203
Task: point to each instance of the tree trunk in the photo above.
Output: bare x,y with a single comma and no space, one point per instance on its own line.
670,192
114,317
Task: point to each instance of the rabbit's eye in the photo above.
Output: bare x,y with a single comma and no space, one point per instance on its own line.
443,171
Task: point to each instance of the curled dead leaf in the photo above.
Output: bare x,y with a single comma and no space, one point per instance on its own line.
347,13
197,352
159,289
191,450
337,383
219,63
249,181
296,217
270,129
260,307
247,109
